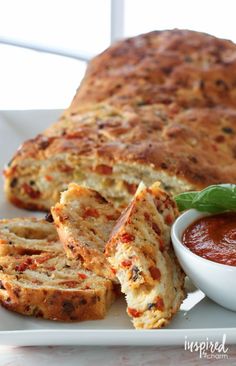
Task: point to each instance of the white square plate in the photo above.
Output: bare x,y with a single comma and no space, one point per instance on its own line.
197,319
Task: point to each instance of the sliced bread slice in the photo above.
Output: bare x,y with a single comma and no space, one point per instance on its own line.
141,253
84,221
50,287
28,236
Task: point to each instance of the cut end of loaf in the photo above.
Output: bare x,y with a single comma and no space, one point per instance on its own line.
34,190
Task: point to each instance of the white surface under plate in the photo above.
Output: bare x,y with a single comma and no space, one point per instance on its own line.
197,319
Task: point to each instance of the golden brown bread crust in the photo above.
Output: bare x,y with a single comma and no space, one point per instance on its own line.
69,308
160,106
55,303
189,68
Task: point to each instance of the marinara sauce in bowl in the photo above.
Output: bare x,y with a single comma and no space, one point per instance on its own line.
213,237
205,245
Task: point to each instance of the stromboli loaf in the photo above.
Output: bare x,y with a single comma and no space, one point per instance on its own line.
140,251
160,106
84,220
47,284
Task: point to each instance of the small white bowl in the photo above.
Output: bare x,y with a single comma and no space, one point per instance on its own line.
216,280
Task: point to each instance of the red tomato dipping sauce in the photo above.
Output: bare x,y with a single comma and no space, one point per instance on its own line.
213,237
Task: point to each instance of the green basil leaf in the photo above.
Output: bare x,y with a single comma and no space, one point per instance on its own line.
213,199
220,197
184,200
204,207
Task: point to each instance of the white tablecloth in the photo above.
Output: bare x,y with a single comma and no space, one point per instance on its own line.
107,356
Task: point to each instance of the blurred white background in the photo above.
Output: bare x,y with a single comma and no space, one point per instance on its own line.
79,29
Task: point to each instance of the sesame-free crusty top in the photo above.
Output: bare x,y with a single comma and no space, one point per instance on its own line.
177,66
159,106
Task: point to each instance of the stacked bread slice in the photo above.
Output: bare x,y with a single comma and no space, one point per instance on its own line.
47,284
28,236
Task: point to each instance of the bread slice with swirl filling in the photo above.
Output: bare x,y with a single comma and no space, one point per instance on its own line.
141,253
84,221
28,236
47,284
